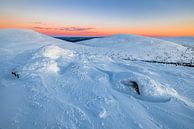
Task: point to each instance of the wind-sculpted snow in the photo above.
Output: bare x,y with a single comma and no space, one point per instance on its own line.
75,86
152,91
49,59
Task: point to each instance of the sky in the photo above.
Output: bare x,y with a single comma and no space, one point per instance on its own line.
100,17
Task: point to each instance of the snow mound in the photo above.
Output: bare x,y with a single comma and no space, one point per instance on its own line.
49,58
53,52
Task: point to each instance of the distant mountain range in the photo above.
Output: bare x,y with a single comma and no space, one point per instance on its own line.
75,39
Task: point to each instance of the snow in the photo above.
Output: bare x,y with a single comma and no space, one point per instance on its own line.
48,59
54,52
186,41
84,86
128,47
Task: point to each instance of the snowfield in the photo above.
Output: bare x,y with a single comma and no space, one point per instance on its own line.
65,85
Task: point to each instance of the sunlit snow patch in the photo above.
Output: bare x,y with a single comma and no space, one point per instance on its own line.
49,58
53,52
103,113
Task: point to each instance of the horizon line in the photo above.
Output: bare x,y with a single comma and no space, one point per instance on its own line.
98,35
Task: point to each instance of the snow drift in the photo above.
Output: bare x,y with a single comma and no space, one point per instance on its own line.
66,85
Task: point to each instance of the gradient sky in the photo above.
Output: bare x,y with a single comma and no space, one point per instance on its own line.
100,17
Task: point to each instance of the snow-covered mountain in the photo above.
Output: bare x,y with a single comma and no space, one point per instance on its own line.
67,85
136,47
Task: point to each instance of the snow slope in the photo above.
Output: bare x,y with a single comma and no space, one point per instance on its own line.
69,86
186,41
127,46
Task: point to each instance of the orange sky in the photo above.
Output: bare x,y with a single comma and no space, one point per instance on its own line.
57,30
97,18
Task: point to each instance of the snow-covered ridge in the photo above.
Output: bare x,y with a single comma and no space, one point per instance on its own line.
66,85
135,47
22,34
18,39
127,39
122,46
186,41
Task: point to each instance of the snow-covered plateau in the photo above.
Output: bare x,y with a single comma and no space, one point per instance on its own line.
90,84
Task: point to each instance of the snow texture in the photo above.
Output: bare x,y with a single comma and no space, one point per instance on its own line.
64,85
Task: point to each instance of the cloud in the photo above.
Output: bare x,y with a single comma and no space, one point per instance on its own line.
76,28
39,23
43,28
70,29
